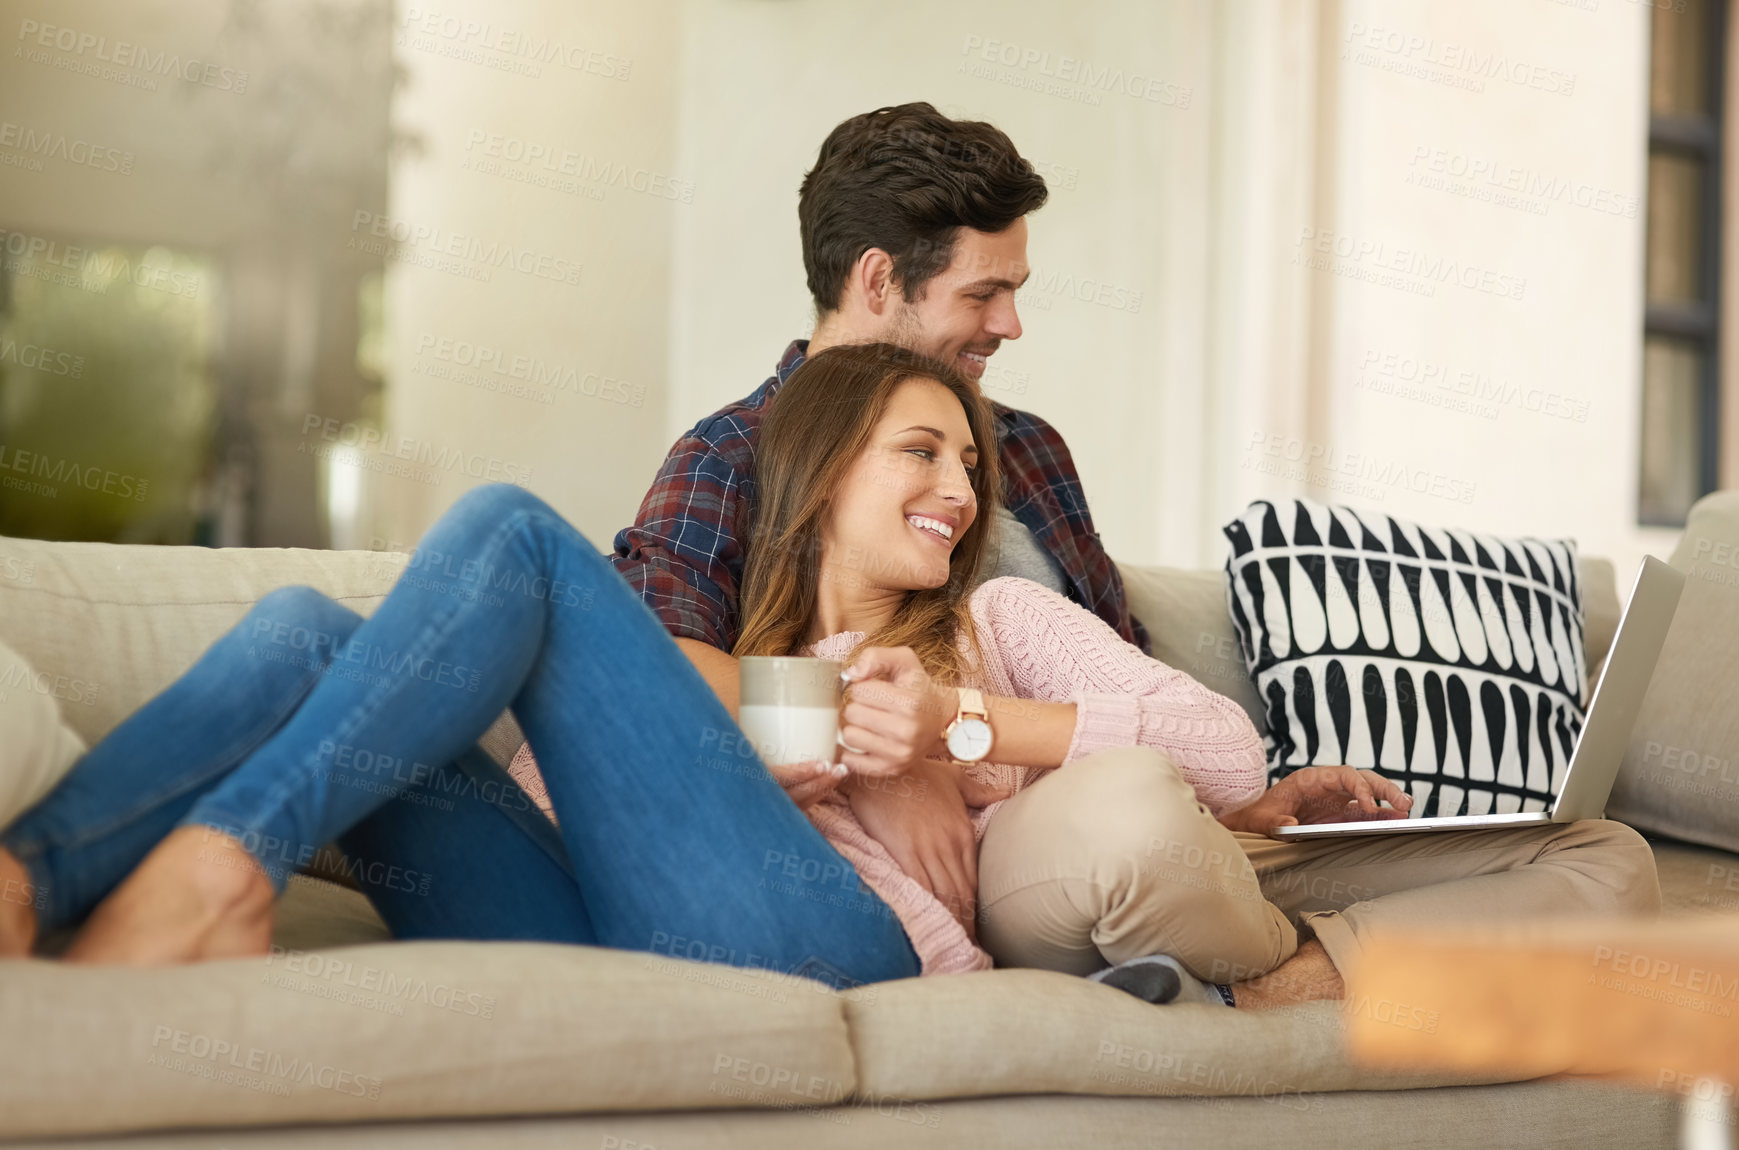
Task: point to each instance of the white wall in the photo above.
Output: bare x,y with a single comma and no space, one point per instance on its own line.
603,112
1547,347
1271,126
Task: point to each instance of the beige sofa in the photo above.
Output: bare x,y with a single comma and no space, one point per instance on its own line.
344,1035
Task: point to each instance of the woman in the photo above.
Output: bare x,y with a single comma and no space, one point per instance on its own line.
306,724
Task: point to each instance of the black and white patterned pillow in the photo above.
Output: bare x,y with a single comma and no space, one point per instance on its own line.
1449,662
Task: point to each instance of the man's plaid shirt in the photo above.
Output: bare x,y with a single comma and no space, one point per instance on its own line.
684,554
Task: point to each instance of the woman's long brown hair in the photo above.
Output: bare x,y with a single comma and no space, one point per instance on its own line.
817,426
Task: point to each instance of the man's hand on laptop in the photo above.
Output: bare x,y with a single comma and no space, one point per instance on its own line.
1321,795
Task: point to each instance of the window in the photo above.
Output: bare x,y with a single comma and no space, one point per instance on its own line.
1680,381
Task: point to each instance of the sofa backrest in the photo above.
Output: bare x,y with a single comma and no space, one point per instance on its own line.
107,626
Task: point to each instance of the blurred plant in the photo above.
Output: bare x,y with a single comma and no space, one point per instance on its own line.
106,441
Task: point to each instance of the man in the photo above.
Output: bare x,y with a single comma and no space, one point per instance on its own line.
914,232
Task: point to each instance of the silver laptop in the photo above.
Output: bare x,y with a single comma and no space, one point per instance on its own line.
1605,732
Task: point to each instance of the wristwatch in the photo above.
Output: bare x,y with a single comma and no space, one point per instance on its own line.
968,737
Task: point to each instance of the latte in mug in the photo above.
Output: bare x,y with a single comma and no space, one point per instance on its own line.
790,707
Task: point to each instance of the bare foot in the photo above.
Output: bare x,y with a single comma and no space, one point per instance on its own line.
17,908
199,895
1305,977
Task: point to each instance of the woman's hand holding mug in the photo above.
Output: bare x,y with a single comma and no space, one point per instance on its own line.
891,720
894,713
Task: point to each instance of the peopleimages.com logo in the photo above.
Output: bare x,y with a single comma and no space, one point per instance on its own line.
86,47
1323,249
47,360
446,250
422,452
87,476
1448,62
1070,76
555,158
252,1067
507,49
49,145
73,266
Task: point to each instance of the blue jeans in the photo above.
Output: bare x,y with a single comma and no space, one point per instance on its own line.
306,724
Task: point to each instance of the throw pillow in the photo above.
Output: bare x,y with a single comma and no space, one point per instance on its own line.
36,747
1448,661
1681,773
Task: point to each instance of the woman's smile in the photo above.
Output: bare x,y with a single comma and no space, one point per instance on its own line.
936,530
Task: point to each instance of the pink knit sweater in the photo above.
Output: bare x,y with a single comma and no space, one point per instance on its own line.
1035,644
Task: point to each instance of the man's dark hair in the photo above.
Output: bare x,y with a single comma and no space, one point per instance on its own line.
906,179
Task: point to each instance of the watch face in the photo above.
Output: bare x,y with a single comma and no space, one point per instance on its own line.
969,741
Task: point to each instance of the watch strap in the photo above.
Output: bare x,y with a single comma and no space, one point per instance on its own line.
970,702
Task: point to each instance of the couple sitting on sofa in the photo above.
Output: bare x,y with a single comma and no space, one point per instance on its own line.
849,508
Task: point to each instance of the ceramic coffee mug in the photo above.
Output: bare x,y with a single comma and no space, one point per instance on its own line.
789,707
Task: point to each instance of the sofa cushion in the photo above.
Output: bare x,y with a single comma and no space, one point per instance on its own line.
130,618
1035,1032
1681,772
1448,661
914,1042
36,744
425,1030
318,914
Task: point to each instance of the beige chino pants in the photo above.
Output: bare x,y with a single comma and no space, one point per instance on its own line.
1112,857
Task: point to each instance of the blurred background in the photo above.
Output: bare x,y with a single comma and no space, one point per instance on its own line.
300,273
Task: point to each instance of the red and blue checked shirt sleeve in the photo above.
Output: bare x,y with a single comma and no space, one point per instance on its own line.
684,555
